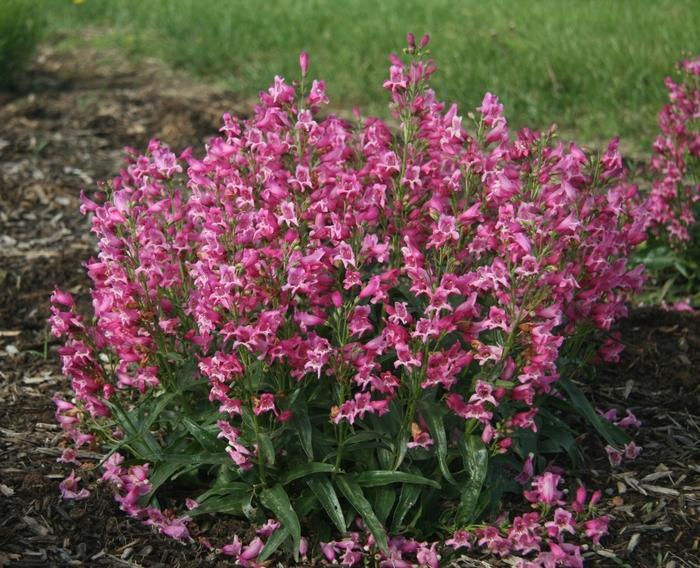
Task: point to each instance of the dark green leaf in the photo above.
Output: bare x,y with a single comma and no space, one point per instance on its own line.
307,469
302,424
207,458
273,543
365,436
556,439
403,448
267,449
381,477
276,500
433,417
353,493
475,458
206,438
383,502
162,473
612,434
324,492
407,500
228,488
234,502
161,403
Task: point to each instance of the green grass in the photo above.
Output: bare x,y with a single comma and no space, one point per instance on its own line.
595,67
21,25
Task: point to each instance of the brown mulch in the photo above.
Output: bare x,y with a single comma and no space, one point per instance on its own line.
63,131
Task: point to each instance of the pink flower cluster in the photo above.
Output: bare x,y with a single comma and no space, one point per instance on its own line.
403,552
131,484
541,535
676,156
375,267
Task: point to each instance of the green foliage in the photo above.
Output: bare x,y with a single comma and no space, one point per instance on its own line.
21,27
673,273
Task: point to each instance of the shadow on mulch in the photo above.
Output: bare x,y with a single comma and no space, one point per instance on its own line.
64,132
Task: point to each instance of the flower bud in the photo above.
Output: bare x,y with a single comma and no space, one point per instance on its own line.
304,63
411,41
424,40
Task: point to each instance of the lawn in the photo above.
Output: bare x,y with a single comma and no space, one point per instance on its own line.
594,67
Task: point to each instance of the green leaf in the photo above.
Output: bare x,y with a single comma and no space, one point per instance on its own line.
273,543
353,493
403,448
136,432
162,402
218,489
378,478
206,438
302,424
267,450
365,436
433,417
555,436
612,434
184,377
323,490
476,459
276,500
162,473
234,502
204,458
407,500
383,502
307,469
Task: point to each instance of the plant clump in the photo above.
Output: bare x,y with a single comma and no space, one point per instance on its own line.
353,333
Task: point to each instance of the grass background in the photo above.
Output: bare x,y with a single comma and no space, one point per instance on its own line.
595,67
21,27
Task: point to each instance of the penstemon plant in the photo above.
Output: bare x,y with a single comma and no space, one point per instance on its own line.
348,330
672,254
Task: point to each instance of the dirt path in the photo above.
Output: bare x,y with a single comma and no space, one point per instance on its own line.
63,132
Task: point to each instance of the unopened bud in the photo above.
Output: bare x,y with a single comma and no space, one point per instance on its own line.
304,62
411,41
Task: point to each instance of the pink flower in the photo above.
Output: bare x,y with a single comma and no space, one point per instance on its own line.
70,489
266,403
563,522
69,455
596,528
544,489
421,438
460,539
614,456
304,62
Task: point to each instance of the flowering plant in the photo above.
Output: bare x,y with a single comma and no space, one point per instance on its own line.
320,320
672,204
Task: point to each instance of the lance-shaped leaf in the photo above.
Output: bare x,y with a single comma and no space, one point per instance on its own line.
307,469
407,500
276,500
433,417
323,490
353,493
377,478
476,462
273,543
612,434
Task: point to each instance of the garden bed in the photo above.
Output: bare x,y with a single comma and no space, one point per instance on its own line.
64,130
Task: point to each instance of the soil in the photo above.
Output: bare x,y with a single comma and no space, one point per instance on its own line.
63,130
